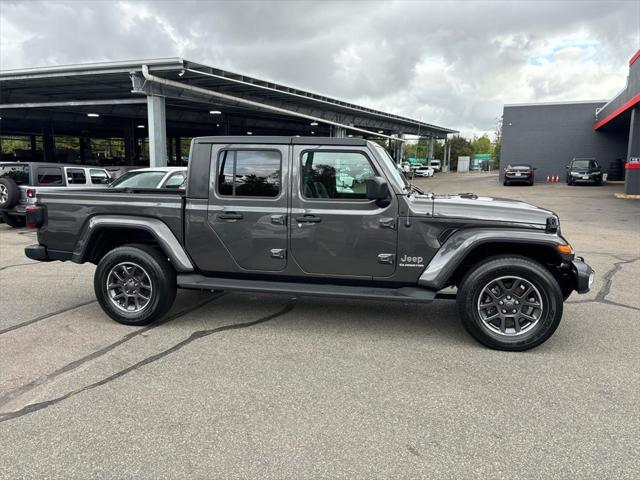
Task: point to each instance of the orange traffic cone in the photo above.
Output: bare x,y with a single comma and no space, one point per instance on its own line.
547,178
557,178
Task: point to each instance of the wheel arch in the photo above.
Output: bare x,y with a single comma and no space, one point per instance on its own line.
105,232
466,248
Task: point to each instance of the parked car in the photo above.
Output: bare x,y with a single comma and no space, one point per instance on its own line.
21,183
435,164
424,172
519,174
267,214
155,177
584,170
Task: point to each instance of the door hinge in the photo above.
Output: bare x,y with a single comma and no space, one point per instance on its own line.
387,258
278,253
388,223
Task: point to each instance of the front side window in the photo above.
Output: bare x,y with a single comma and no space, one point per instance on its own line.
99,177
50,176
76,176
340,175
249,173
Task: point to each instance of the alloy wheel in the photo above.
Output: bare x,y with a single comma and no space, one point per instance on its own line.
510,306
129,287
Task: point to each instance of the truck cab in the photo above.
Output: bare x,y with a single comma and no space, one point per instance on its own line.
316,216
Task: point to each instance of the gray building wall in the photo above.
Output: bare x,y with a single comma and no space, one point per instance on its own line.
548,136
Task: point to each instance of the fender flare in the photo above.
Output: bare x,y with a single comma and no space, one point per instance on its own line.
157,228
453,251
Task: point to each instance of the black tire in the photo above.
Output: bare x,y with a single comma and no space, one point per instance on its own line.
474,283
505,183
14,221
9,192
162,278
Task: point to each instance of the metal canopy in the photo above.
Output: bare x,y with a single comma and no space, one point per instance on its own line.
64,94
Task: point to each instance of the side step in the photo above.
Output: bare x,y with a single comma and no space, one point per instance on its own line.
403,294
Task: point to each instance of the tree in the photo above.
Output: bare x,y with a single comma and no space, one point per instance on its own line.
482,144
460,147
497,141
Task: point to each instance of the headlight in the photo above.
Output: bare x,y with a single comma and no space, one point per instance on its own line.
575,174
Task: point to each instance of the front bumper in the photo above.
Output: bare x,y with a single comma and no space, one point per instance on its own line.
583,275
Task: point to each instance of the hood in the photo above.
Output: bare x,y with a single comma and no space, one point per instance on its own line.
472,207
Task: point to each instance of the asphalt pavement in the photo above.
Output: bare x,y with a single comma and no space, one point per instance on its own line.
271,386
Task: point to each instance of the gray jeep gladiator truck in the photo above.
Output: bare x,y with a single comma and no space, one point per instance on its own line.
315,216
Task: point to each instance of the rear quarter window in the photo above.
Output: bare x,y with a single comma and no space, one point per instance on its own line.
49,176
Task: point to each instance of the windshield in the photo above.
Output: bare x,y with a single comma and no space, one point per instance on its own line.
149,179
584,164
397,175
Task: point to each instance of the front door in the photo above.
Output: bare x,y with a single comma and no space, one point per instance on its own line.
248,206
335,229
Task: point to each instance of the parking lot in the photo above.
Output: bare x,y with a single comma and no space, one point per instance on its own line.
247,386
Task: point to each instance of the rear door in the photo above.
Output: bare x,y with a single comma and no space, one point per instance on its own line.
335,229
247,208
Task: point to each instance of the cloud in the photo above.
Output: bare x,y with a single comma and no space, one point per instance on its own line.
451,63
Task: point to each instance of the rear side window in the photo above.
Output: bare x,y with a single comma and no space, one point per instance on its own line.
339,175
50,176
19,173
99,177
249,173
76,176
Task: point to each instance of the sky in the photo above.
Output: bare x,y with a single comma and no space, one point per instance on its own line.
453,64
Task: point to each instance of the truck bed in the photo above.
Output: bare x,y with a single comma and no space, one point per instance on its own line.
69,211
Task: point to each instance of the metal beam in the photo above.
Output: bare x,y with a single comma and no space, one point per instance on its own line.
157,131
73,103
148,78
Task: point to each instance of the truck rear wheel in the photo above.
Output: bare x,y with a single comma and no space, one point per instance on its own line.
510,303
135,284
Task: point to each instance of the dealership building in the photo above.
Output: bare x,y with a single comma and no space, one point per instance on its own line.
146,112
549,135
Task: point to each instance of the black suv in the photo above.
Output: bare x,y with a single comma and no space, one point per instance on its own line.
584,170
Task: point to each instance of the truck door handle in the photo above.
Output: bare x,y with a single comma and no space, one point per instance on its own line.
308,219
230,216
278,219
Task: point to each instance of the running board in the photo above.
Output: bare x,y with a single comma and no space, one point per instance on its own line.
403,294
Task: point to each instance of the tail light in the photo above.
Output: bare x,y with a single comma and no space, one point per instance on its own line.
35,216
31,193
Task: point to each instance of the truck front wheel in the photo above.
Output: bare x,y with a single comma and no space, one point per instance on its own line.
135,284
510,303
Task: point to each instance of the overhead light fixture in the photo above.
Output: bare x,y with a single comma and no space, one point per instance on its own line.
350,136
215,112
249,133
217,124
313,133
140,126
380,131
92,115
314,124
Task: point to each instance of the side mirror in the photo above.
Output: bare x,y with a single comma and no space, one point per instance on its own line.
377,188
568,167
